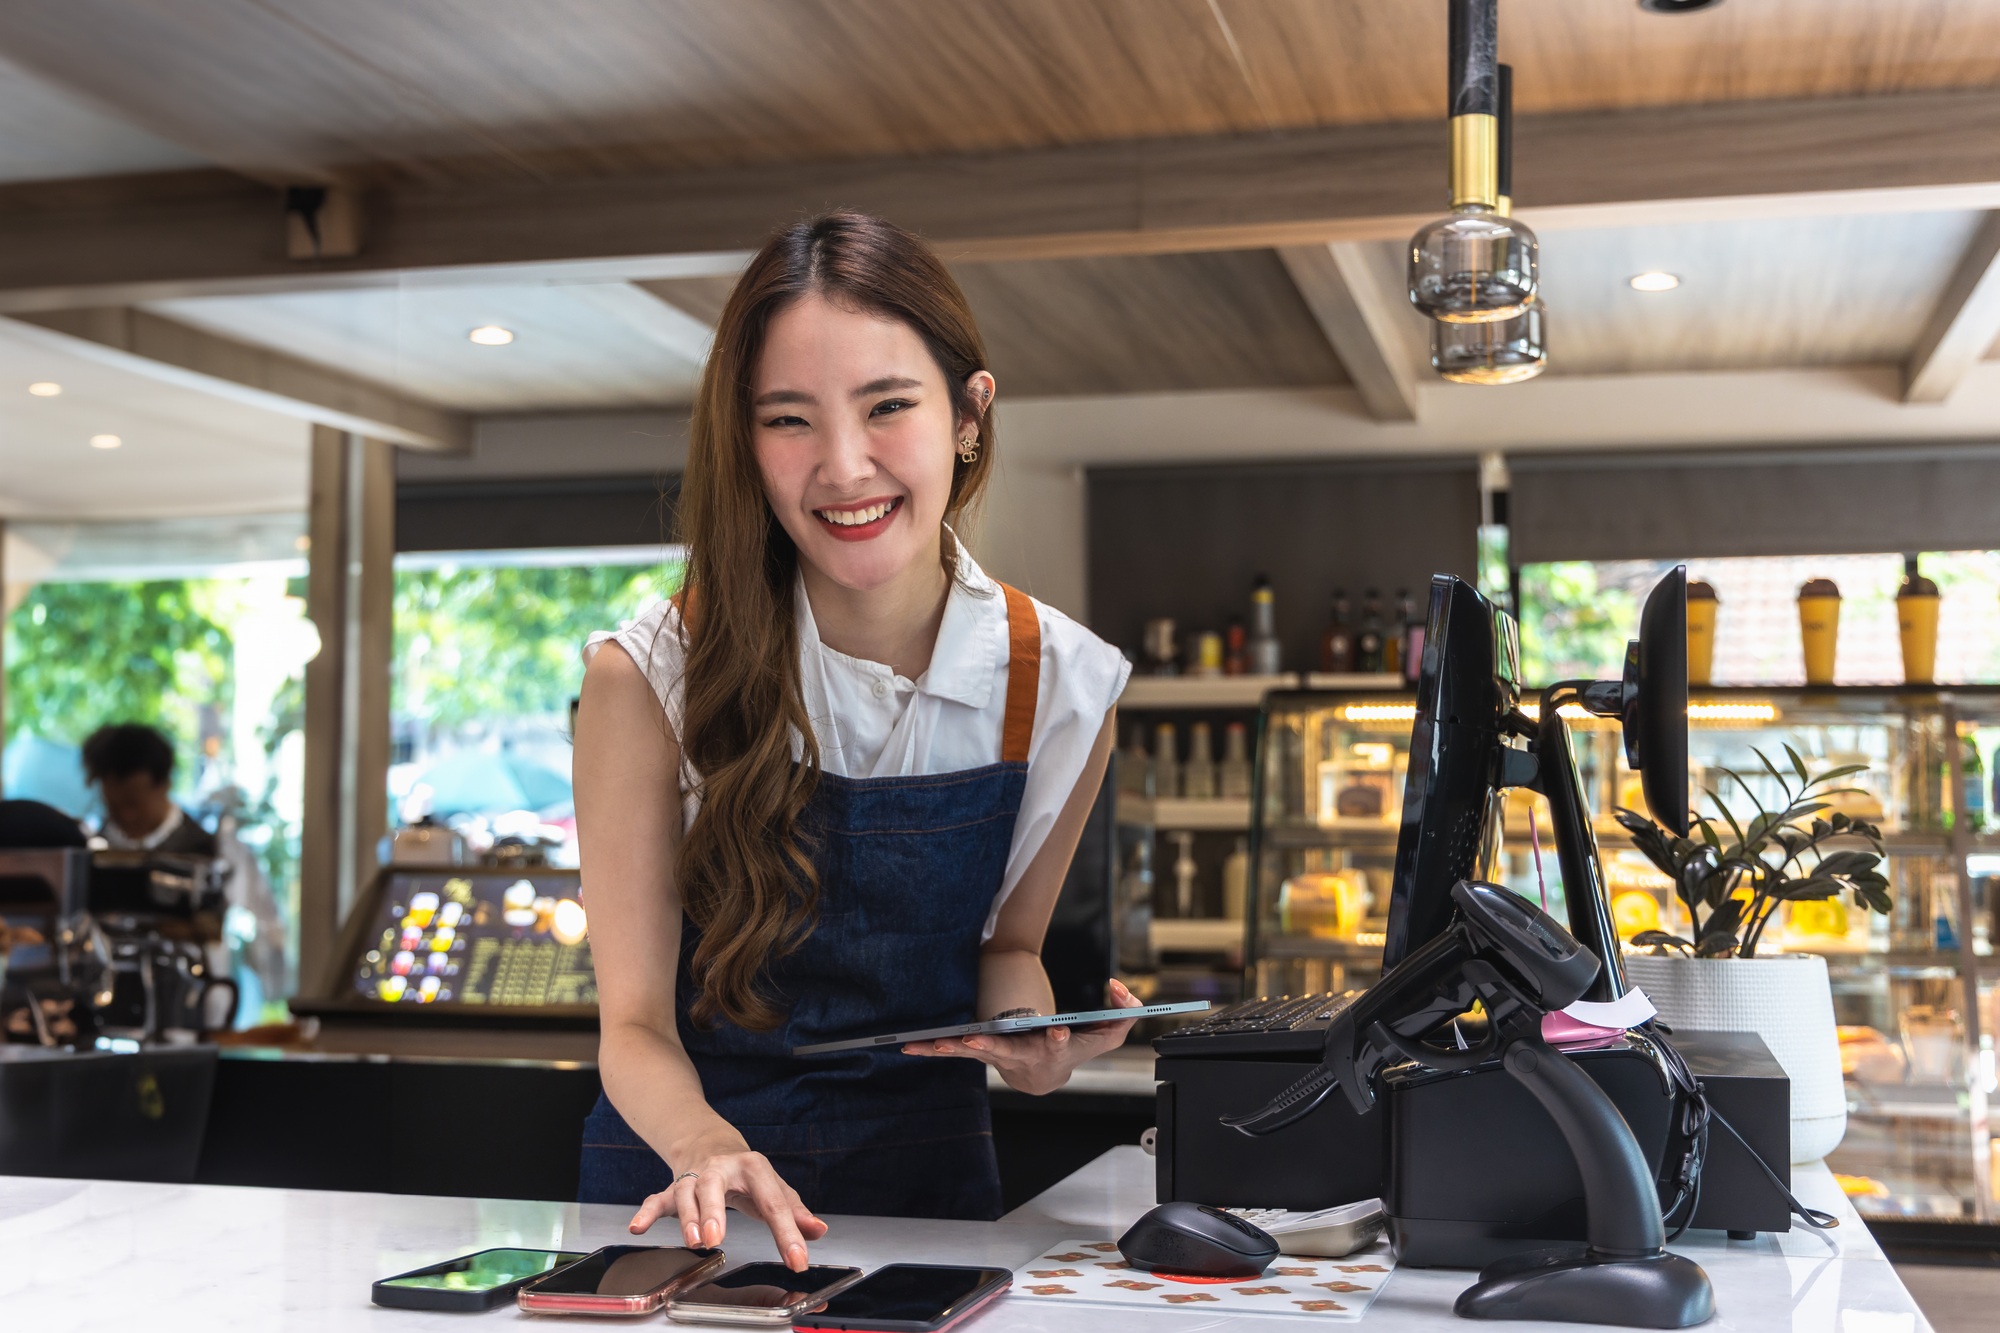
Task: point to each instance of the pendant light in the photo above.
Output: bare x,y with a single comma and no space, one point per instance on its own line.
1474,265
1500,351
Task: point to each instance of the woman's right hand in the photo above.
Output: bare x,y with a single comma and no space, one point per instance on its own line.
715,1182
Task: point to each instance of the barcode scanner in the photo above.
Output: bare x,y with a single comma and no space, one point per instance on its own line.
1502,951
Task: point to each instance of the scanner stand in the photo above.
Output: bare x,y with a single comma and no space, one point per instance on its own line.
1623,1275
1519,964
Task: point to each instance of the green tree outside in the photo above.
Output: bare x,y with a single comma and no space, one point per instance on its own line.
478,643
1570,626
83,654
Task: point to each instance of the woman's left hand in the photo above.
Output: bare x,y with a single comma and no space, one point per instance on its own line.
1038,1062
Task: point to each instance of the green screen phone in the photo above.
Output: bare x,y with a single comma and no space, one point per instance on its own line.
470,1282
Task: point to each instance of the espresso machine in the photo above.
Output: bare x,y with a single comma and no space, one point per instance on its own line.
121,949
104,988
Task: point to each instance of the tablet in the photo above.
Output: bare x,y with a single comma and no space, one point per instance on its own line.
998,1025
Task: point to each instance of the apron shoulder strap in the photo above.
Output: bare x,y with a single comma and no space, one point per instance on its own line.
1024,675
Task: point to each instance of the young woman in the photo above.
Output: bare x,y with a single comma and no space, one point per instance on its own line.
832,789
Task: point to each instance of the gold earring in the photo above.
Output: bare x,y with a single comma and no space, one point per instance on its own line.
968,448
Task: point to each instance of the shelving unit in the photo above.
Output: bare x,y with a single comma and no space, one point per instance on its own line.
1235,692
1198,956
1216,816
1203,692
1916,990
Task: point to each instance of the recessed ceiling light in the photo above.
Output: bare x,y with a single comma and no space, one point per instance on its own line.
491,335
1654,282
45,388
105,441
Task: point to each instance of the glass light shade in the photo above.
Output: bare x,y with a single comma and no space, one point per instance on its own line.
1500,351
1473,266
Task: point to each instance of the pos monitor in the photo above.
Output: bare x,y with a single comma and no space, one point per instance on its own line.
1471,740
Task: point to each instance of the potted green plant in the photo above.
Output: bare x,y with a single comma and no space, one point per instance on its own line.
1731,878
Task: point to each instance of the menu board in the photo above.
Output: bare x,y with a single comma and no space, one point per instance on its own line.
470,938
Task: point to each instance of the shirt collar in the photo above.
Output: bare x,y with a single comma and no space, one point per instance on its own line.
971,642
972,638
122,841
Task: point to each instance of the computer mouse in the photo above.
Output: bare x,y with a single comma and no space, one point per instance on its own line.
1195,1240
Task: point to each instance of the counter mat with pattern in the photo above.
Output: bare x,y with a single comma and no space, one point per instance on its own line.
1090,1272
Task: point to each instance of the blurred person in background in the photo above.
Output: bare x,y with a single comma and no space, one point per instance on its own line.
132,767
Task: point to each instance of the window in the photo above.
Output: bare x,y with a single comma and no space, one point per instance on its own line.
487,662
198,628
1577,615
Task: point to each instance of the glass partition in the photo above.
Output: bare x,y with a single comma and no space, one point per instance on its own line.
488,657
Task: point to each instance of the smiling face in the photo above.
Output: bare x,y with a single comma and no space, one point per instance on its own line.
855,432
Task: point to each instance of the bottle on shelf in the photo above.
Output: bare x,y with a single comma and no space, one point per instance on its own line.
1135,766
1135,909
1972,776
1198,774
1166,762
1184,873
1266,656
1232,775
1235,648
1236,883
1413,637
1994,804
1368,641
1162,652
1336,646
1208,654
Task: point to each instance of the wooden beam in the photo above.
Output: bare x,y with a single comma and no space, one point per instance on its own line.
1965,323
349,595
121,242
319,825
1363,319
164,349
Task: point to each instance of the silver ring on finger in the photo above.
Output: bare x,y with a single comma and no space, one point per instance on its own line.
687,1175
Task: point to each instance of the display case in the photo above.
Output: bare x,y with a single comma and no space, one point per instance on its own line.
1914,992
1183,845
464,945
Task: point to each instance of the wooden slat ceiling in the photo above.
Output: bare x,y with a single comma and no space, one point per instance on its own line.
456,89
1131,324
1147,323
1794,292
456,92
701,297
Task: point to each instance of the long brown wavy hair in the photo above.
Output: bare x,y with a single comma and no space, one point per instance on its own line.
745,866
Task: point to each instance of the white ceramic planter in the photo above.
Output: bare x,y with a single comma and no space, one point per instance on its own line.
1786,1000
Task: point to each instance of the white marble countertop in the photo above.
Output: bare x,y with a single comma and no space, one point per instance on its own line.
77,1255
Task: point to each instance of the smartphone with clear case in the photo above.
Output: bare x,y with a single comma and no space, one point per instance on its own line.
620,1280
767,1295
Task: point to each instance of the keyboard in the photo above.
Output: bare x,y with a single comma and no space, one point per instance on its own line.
1290,1025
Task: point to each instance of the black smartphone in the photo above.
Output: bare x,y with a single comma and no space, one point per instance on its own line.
763,1294
471,1281
910,1298
620,1280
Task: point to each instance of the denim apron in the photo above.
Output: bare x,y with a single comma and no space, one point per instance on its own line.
908,871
